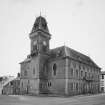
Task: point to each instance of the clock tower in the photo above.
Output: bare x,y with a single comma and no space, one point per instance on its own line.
40,37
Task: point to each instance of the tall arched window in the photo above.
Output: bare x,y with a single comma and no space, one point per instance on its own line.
34,70
22,84
77,86
76,73
81,73
54,69
25,73
28,82
72,72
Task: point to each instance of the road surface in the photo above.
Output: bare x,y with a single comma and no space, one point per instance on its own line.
98,99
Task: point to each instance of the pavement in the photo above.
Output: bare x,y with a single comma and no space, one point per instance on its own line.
98,99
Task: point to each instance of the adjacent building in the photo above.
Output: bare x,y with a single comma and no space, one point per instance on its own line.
12,87
3,81
102,81
61,71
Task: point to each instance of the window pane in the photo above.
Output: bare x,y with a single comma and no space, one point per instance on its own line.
76,73
71,71
76,86
102,76
25,73
54,69
81,73
33,70
71,86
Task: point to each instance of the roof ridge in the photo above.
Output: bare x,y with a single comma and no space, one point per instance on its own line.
77,55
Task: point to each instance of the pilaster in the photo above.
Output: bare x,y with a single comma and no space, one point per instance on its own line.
66,76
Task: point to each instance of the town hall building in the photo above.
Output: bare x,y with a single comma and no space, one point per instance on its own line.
59,71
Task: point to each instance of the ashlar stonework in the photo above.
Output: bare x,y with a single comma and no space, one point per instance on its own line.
60,71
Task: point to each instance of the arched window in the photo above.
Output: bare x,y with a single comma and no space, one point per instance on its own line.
49,84
33,70
25,73
81,73
22,84
85,74
44,48
83,67
71,86
28,82
71,71
77,86
79,66
74,64
76,73
54,69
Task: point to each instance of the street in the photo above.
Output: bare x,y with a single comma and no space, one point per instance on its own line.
98,99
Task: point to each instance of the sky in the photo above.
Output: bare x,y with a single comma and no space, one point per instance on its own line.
78,24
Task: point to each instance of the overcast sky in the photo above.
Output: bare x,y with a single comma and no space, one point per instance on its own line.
80,24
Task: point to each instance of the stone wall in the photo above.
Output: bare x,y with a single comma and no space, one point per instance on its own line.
29,82
57,81
86,81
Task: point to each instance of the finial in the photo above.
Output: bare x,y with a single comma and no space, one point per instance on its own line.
40,20
40,12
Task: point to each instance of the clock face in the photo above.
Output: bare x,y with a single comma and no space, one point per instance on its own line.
35,42
44,43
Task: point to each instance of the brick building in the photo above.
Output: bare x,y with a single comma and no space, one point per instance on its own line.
62,70
102,81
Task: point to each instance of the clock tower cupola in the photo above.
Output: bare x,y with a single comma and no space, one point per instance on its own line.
40,36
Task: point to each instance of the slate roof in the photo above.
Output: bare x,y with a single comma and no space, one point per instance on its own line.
65,51
40,24
26,60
